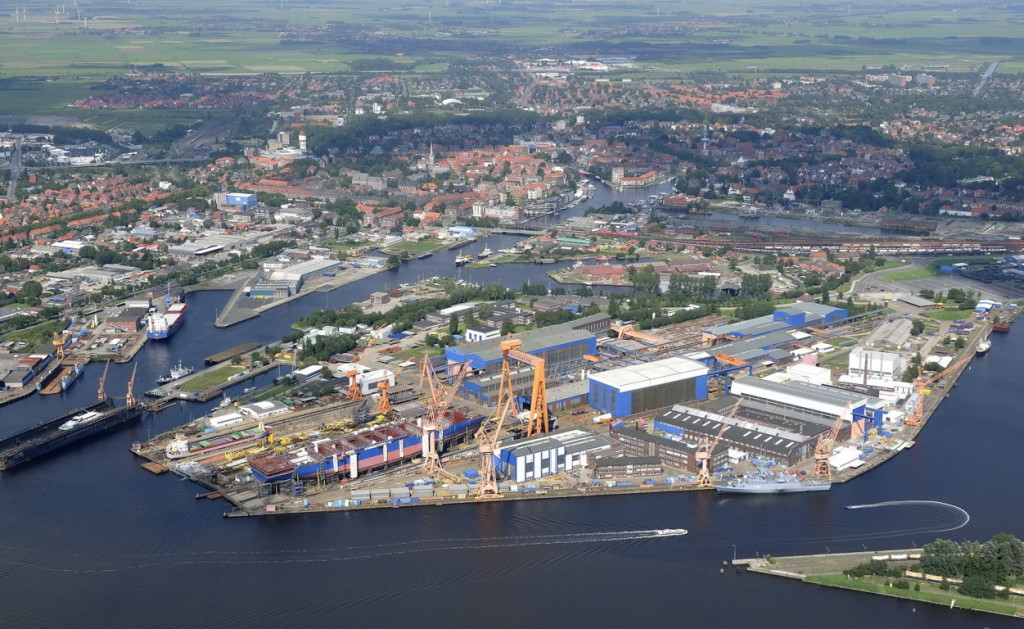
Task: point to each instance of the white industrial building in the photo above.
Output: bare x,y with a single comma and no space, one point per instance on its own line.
546,455
874,365
263,410
482,333
809,373
299,272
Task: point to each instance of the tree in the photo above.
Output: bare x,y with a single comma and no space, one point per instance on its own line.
394,262
30,290
486,311
507,327
453,324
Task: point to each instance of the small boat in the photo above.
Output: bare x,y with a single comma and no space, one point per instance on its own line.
983,346
671,531
425,255
492,264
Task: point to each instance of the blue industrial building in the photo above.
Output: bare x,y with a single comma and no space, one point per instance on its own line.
243,201
561,346
797,315
648,386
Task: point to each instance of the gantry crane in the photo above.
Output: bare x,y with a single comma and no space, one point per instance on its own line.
441,398
383,401
490,430
707,446
823,449
538,419
58,343
922,384
628,331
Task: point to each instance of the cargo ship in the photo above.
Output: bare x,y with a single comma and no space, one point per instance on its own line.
180,447
354,453
1002,326
63,379
983,346
64,430
163,325
761,482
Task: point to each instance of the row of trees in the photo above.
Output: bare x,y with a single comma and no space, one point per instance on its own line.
982,566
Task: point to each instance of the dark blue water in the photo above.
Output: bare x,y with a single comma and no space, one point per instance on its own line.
89,539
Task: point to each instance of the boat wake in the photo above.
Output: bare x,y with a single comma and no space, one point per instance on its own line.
964,517
341,554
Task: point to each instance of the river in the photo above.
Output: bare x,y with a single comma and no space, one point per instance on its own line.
89,539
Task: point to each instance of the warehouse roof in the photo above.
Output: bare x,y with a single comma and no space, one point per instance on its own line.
533,341
744,433
808,391
650,374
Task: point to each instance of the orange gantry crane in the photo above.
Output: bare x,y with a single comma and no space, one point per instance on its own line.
823,450
538,421
706,447
441,398
922,385
490,430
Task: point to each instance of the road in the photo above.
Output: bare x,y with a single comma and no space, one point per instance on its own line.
992,67
869,283
12,189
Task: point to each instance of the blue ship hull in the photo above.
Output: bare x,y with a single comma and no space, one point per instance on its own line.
368,458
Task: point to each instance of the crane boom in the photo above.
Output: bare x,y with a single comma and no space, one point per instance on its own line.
707,446
922,383
823,450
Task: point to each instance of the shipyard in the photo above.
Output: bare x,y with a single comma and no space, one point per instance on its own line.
788,402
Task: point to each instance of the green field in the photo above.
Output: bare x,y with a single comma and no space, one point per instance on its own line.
419,246
38,337
949,315
911,274
929,594
209,379
747,36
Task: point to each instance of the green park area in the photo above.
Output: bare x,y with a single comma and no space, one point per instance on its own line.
929,593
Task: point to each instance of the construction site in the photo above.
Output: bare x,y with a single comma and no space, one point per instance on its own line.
791,401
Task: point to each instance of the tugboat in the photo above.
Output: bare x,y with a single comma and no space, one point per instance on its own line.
462,260
177,372
486,253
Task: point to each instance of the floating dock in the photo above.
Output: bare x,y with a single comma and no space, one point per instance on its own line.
230,353
48,436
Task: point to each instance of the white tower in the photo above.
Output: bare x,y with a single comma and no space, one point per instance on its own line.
302,141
